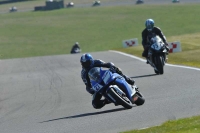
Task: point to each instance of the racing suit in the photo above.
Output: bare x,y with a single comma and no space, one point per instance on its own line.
96,101
146,35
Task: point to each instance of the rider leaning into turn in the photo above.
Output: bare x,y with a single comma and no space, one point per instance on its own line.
149,32
87,63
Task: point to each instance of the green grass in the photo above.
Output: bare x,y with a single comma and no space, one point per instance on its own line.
186,125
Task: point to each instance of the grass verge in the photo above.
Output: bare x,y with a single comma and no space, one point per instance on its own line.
186,125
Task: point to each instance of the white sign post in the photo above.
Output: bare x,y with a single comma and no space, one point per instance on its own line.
175,47
130,42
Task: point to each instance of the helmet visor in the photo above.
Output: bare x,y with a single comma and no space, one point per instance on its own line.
149,27
86,64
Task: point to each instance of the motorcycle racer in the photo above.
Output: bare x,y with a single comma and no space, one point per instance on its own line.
75,48
87,63
149,31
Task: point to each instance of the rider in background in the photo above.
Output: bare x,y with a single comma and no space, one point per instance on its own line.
150,31
75,48
87,63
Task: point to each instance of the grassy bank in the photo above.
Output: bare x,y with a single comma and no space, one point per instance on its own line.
189,125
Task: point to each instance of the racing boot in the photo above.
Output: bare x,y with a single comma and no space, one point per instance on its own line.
106,101
116,104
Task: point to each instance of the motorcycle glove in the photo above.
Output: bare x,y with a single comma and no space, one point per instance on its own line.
116,69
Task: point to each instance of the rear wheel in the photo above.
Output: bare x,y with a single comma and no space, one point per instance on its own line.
120,98
140,100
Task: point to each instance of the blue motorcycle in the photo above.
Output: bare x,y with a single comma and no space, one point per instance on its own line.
115,88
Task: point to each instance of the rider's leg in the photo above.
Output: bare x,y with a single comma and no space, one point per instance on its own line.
145,53
97,102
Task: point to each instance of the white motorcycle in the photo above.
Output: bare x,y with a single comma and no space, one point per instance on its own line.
157,54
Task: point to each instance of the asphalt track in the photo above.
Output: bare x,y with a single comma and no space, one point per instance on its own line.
46,95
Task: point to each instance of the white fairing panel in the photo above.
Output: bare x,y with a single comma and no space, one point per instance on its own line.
106,77
157,43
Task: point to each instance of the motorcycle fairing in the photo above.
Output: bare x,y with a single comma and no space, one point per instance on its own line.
106,77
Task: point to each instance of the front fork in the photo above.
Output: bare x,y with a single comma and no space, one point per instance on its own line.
151,59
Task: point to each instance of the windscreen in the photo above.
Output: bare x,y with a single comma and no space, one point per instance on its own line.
156,40
94,74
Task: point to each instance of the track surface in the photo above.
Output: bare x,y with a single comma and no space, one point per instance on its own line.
46,95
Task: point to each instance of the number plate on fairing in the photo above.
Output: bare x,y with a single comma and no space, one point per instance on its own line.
97,87
155,46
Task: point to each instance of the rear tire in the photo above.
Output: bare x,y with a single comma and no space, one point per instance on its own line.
122,100
140,101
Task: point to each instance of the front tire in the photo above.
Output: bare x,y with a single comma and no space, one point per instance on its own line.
122,100
159,65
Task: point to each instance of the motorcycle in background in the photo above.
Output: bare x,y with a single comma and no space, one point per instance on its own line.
96,3
139,2
13,9
115,88
157,54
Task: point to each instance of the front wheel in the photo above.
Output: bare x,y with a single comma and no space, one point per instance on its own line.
159,65
120,98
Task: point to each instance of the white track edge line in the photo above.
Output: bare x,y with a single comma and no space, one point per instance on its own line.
140,59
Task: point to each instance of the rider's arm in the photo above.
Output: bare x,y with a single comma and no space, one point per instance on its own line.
144,37
161,35
100,63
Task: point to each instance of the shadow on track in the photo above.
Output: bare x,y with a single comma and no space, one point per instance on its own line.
149,75
86,114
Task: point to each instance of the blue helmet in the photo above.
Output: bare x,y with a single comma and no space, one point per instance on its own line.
87,60
149,24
